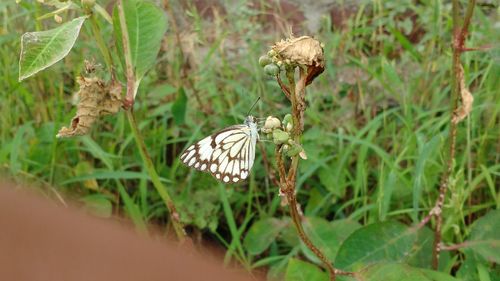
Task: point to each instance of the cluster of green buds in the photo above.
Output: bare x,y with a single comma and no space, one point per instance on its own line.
271,65
280,133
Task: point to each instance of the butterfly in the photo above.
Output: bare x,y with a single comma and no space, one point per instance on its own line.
228,154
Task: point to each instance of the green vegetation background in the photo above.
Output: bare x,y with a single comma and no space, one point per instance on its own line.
376,126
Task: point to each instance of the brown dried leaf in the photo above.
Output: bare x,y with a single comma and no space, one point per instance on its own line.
466,98
95,99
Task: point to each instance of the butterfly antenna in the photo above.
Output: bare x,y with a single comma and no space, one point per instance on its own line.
250,110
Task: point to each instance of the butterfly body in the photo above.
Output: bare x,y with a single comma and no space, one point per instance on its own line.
228,154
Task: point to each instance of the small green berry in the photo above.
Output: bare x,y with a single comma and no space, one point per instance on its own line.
271,69
264,60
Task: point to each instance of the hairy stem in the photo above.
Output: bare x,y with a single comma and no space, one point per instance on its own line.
295,92
459,35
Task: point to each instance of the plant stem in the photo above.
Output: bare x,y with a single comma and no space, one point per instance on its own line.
160,188
296,218
295,92
131,87
459,35
102,46
128,105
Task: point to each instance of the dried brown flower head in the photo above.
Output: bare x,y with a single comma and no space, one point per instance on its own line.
304,51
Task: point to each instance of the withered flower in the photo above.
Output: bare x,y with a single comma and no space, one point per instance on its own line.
305,51
95,99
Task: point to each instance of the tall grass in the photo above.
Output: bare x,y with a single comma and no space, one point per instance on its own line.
375,138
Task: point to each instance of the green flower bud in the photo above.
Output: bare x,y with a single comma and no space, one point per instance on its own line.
280,137
294,150
264,60
285,148
271,53
287,118
271,69
288,123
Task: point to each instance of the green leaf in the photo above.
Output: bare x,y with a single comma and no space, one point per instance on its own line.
146,25
132,209
421,255
392,76
42,49
327,179
179,107
18,147
401,272
474,265
298,270
484,238
261,234
85,168
387,241
327,236
406,44
98,205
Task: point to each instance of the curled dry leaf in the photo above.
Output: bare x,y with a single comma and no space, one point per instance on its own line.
466,97
303,50
95,99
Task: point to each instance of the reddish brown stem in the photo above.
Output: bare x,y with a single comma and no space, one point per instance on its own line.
459,36
295,92
284,88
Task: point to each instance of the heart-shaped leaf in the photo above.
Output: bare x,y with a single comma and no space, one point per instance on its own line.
386,241
261,234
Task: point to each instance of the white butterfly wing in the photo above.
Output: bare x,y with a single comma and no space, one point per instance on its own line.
228,154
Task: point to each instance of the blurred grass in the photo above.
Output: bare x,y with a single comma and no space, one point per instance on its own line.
375,126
